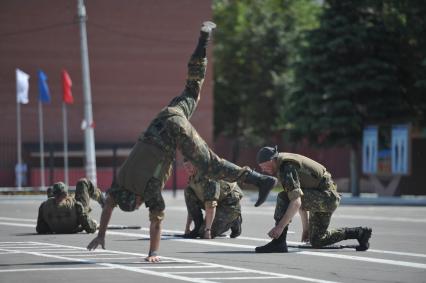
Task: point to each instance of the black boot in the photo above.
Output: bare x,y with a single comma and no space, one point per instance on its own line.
197,217
265,184
236,227
276,245
362,234
205,35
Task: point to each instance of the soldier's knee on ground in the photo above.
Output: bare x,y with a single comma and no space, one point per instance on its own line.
315,241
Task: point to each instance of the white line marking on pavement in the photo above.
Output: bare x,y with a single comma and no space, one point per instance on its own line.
53,269
239,278
270,213
146,269
206,272
329,254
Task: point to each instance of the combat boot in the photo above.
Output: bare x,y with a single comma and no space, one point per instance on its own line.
236,227
276,245
205,35
197,217
362,234
265,184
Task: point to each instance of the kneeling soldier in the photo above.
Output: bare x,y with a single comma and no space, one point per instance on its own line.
219,199
309,189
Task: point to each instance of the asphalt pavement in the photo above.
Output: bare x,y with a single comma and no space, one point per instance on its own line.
397,253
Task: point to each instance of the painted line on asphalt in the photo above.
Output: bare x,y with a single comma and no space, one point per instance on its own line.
147,268
53,269
316,253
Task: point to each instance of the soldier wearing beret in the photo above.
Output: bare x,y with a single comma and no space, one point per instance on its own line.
142,176
219,199
309,189
66,213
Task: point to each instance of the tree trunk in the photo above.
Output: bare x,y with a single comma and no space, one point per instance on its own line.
354,172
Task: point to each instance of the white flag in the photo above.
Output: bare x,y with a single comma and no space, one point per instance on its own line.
22,86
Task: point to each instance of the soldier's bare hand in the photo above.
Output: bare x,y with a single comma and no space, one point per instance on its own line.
154,258
95,243
276,232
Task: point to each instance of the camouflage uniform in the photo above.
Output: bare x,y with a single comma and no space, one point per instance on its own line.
71,215
306,178
149,164
202,192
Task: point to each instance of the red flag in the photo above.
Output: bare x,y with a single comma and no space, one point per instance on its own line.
66,86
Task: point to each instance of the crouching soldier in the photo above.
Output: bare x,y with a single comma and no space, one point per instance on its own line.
309,189
66,213
219,199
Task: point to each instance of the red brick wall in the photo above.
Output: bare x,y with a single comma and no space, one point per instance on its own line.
138,52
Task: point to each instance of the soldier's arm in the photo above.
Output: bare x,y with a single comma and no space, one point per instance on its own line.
42,227
290,181
211,196
88,224
304,217
155,202
105,218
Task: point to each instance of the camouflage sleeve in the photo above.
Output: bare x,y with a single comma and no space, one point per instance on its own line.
42,227
290,180
154,200
88,224
211,190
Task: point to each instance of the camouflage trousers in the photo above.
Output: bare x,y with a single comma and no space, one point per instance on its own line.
321,205
84,191
227,211
196,150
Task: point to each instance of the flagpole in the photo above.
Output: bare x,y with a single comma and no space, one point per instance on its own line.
40,122
19,145
89,134
65,126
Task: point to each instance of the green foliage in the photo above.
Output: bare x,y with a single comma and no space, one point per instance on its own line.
350,74
254,45
320,70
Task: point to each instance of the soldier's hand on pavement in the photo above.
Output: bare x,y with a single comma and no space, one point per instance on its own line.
305,236
154,258
95,243
276,232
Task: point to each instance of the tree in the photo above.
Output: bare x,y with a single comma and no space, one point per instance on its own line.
255,44
349,76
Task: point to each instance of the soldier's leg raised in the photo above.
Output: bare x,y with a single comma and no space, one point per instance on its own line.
278,245
196,150
84,190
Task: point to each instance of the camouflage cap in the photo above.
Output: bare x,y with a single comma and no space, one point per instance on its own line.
266,153
125,199
59,188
